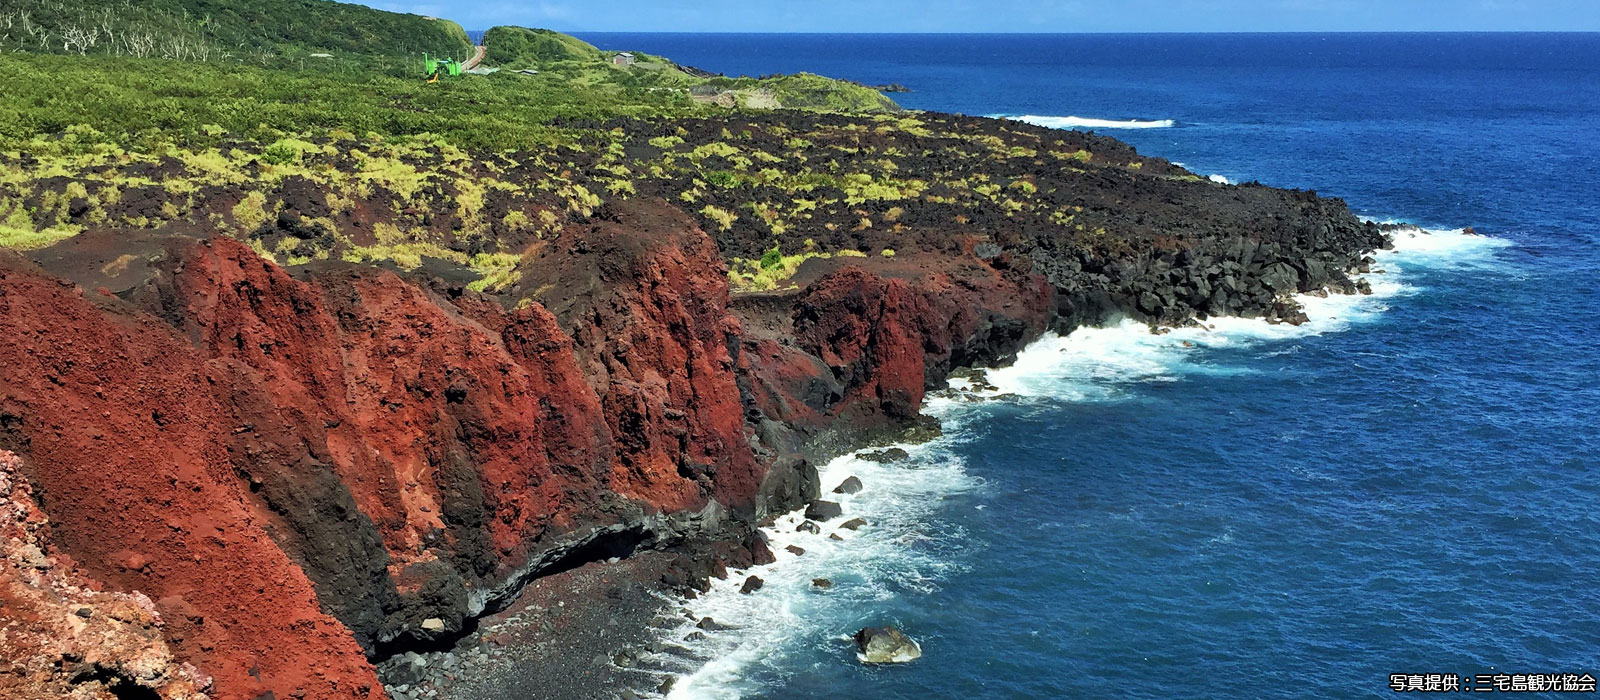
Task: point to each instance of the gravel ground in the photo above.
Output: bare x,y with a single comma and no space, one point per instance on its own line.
577,635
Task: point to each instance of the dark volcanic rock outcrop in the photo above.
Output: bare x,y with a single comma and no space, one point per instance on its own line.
851,355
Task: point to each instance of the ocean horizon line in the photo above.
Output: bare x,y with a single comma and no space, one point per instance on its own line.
1480,32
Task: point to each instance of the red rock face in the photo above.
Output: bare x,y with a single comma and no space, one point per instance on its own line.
869,331
388,385
885,338
303,469
62,634
645,300
116,414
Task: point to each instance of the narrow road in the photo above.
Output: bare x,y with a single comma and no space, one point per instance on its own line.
477,57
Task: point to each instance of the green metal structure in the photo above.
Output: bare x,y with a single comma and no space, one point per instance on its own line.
435,68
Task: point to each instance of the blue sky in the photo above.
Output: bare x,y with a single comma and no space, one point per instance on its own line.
1015,15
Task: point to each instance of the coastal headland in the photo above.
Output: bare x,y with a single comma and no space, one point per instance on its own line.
320,384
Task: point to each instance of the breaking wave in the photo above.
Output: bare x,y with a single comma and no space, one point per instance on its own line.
898,552
1100,364
1088,123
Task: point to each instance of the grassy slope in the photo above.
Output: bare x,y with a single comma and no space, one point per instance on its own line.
520,47
259,32
566,58
138,103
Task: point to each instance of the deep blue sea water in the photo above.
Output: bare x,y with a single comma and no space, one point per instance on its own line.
1409,485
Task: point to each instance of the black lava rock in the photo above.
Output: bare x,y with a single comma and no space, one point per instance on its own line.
850,485
823,511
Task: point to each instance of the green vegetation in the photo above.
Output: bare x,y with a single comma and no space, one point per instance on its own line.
570,61
724,219
772,258
267,33
497,270
349,160
805,91
405,255
266,70
17,229
774,268
251,212
520,47
141,103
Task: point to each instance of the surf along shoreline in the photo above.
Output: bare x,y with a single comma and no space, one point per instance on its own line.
885,491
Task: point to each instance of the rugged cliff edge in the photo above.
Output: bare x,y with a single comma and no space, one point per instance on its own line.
311,467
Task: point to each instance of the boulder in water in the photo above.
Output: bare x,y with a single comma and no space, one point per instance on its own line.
808,526
707,623
853,524
850,485
885,645
751,585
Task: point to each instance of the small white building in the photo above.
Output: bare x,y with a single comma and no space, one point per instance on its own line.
622,59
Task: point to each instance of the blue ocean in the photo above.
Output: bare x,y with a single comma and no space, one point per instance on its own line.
1410,484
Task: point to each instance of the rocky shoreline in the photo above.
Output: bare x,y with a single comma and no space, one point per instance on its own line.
968,385
623,655
384,464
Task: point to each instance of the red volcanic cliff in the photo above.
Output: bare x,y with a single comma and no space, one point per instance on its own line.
644,295
888,338
864,345
303,470
126,450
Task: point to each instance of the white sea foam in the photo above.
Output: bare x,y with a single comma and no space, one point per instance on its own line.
902,551
1221,179
1447,249
894,554
1088,123
1097,364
